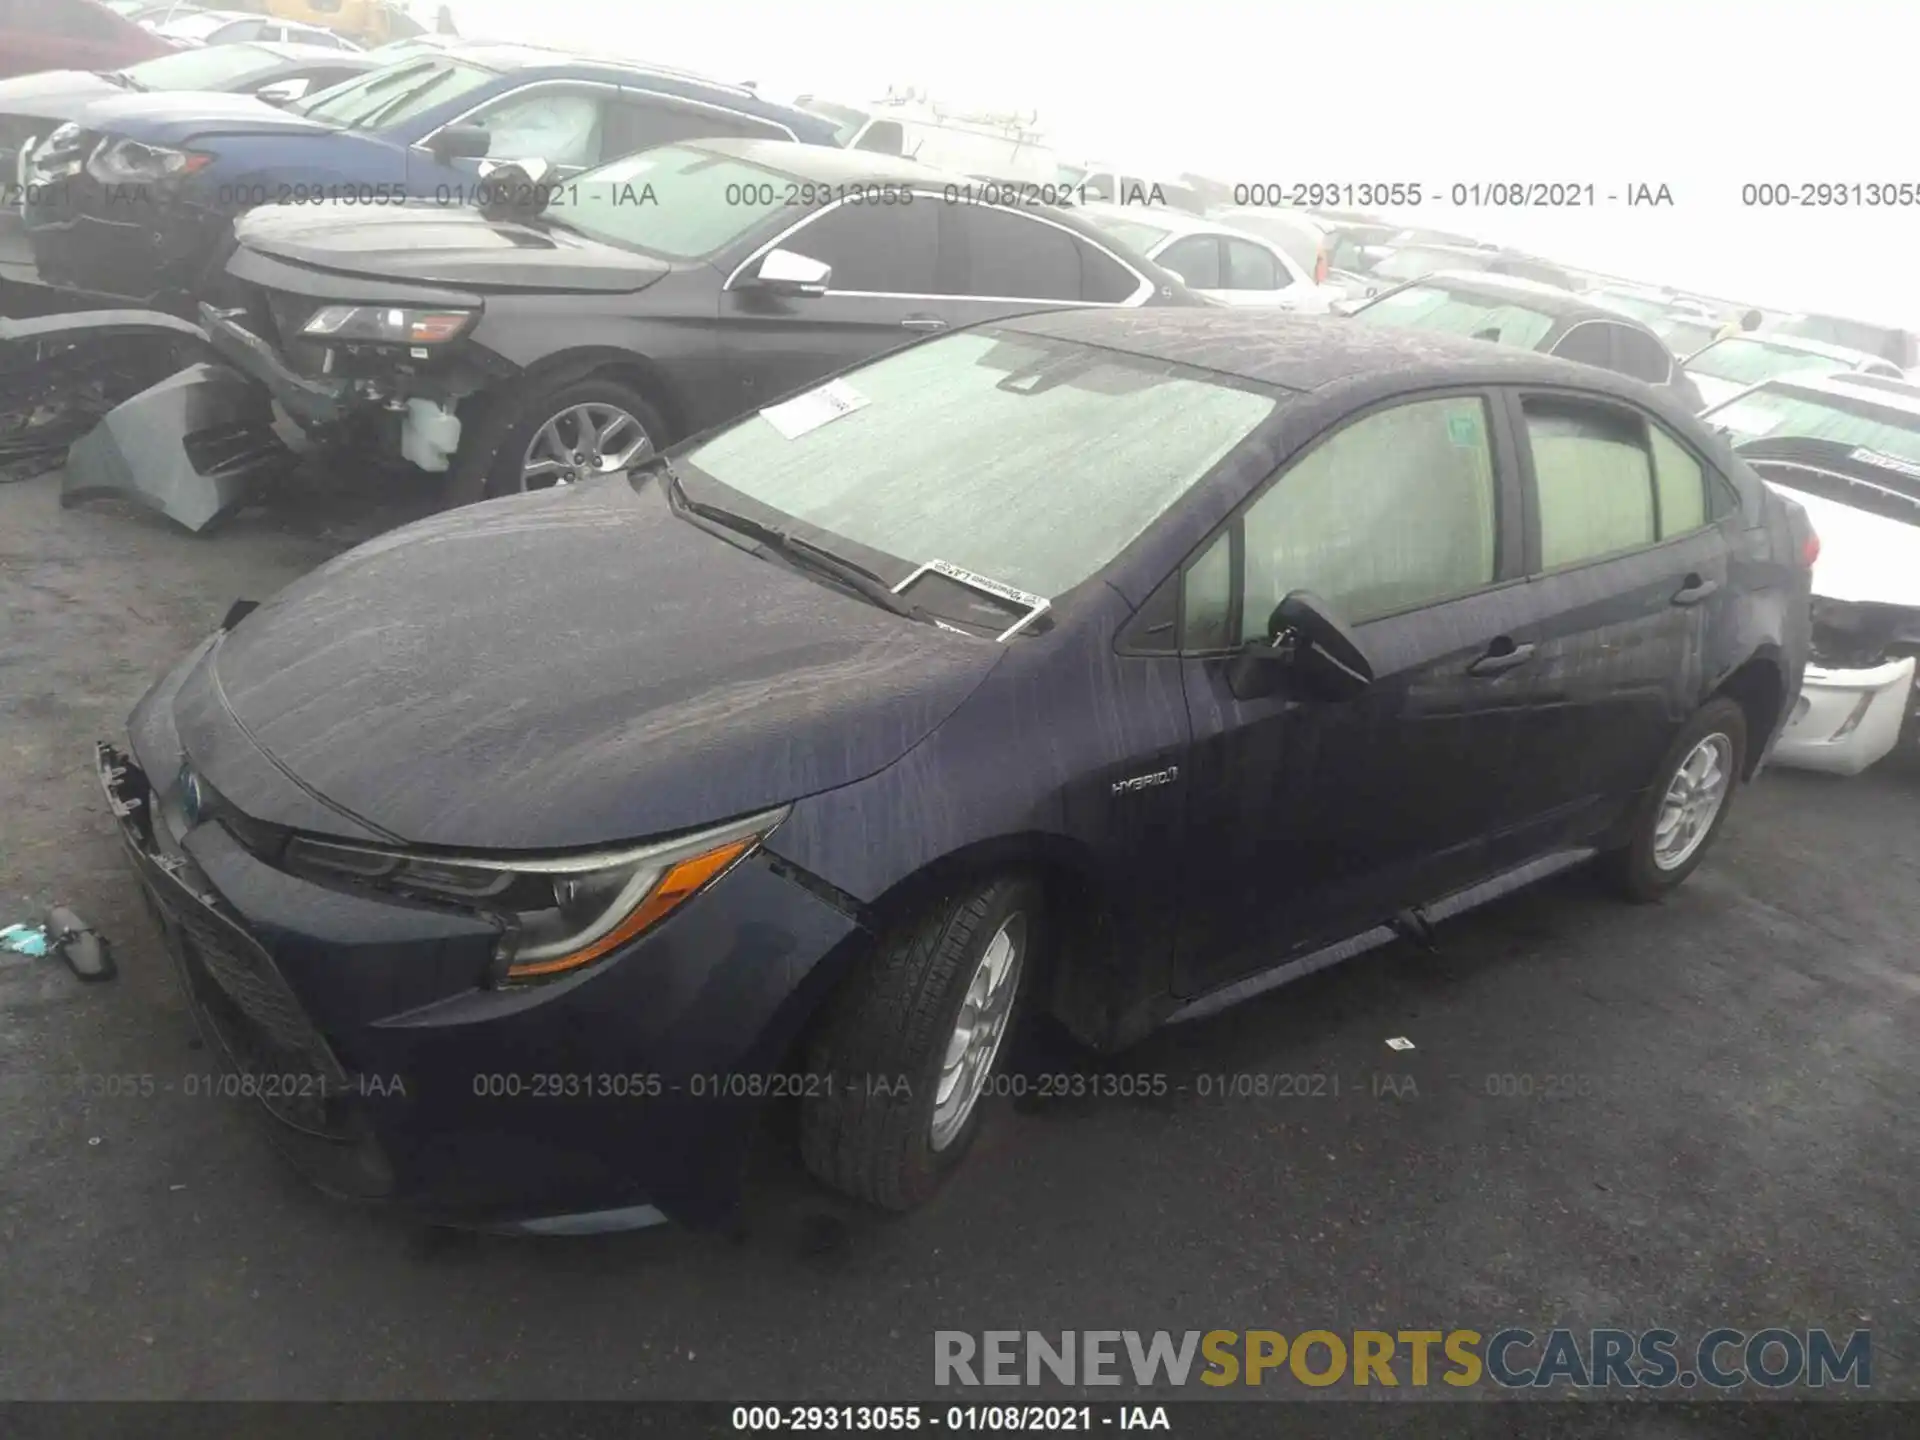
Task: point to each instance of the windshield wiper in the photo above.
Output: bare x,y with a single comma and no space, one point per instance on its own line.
120,78
802,552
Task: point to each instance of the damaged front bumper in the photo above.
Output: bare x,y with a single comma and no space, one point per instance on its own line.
1846,720
383,1065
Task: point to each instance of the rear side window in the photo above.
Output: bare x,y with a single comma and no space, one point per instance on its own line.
1638,354
998,253
1593,481
1681,484
1588,342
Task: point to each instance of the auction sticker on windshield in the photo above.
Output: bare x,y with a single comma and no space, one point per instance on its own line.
794,418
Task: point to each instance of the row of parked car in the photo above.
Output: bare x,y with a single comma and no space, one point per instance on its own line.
692,250
821,474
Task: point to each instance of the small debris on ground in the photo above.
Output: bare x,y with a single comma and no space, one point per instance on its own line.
1399,1042
24,939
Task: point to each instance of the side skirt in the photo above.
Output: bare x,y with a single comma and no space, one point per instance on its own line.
1444,908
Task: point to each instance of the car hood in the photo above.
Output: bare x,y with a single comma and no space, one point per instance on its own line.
170,117
444,244
580,666
53,94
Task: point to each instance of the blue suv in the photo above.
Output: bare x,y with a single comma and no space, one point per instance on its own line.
135,200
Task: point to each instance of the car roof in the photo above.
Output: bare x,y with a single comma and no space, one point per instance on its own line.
1307,352
505,56
1549,299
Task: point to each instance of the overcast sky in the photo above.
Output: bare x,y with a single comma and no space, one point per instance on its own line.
1700,95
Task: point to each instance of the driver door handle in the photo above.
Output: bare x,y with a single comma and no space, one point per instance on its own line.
1694,590
923,322
1502,655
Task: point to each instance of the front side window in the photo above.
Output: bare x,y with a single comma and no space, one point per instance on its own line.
1593,478
873,249
1252,267
1032,461
1195,260
1453,312
632,125
561,127
1393,512
676,202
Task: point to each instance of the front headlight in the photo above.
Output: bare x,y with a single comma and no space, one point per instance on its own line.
385,325
128,162
560,912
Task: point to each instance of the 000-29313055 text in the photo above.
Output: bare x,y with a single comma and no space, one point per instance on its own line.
986,1418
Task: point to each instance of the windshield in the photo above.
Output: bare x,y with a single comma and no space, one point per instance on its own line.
1141,237
208,69
1428,307
196,27
396,93
1411,263
1778,411
1033,462
1683,333
1854,334
974,152
847,120
1750,361
1638,306
681,203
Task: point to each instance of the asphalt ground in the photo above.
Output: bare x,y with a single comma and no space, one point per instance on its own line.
1687,1115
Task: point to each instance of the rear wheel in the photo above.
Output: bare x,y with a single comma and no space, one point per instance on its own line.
1686,805
911,1043
554,434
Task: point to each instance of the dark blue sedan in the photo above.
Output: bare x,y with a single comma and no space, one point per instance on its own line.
137,199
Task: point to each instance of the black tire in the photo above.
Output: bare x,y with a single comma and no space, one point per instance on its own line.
1632,869
870,1135
504,422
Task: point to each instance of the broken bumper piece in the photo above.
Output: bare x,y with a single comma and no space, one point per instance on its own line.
1845,720
193,448
308,400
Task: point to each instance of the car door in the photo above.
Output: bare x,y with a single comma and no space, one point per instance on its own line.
40,35
1308,819
1628,589
879,295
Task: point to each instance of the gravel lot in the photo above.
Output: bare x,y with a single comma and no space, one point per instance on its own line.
1734,1148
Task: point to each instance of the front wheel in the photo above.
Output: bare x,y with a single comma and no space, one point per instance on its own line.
555,434
911,1043
1686,805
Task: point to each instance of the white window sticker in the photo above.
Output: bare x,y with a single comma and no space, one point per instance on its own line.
794,418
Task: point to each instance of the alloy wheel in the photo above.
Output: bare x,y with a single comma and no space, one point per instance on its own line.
580,442
978,1030
1694,796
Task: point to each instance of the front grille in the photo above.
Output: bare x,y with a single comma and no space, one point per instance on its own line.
239,992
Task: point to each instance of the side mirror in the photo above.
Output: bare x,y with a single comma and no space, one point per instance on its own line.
281,92
787,272
512,190
460,142
1306,648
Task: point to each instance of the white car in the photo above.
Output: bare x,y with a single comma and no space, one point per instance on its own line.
1848,450
1725,367
1229,266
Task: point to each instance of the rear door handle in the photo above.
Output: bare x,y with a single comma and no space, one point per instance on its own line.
1694,590
1502,655
923,322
